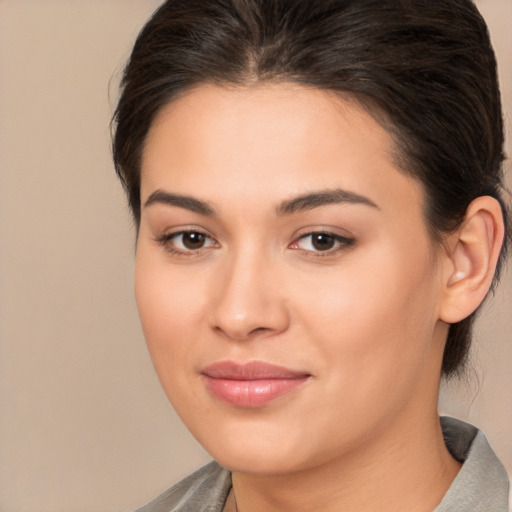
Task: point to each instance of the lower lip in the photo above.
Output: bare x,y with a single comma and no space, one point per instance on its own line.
252,393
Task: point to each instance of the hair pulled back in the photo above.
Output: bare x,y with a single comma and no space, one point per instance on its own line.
425,68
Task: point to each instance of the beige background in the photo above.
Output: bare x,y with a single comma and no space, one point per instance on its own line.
84,426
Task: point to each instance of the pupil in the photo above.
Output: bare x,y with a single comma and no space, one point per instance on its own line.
193,240
323,242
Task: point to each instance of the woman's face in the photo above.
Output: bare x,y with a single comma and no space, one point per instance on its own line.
288,288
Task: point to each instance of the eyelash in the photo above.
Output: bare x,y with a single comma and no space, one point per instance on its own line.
167,239
341,243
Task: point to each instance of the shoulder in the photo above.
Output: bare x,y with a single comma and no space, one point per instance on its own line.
482,484
205,490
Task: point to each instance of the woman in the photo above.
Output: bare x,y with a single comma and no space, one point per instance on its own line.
317,190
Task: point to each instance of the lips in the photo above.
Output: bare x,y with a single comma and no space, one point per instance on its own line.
252,384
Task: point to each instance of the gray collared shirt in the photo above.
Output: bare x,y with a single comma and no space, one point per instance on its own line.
481,485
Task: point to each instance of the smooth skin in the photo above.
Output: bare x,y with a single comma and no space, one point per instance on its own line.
277,227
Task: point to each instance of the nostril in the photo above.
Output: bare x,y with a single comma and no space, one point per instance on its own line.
241,334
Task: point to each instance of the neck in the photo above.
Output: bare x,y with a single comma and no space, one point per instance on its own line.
406,469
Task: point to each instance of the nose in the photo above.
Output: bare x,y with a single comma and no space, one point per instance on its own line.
247,299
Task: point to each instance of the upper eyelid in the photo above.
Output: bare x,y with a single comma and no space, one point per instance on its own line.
335,231
170,232
328,233
168,235
339,238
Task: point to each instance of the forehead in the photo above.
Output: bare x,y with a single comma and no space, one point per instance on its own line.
290,111
272,141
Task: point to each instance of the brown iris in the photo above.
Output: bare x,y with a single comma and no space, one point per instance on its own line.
322,242
193,240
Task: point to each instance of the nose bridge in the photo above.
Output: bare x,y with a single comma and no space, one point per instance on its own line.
247,297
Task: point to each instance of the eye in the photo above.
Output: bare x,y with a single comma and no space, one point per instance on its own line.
186,241
319,242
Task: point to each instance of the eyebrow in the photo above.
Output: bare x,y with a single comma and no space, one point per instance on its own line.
301,203
187,202
323,198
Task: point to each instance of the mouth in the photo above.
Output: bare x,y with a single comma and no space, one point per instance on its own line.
252,384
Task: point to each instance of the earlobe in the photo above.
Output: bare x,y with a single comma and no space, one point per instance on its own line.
473,254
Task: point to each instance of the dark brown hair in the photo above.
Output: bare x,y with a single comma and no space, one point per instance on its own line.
424,67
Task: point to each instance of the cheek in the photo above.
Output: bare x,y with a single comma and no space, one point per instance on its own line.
170,308
376,313
372,332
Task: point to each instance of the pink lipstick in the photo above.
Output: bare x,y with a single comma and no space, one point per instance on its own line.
252,384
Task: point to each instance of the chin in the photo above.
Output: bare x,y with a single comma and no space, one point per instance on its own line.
258,462
257,447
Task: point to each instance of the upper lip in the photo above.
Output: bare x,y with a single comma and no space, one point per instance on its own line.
253,370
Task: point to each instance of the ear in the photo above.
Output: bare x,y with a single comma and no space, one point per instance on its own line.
473,252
